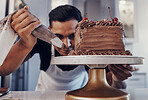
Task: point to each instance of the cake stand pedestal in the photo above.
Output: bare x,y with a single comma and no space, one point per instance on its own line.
97,87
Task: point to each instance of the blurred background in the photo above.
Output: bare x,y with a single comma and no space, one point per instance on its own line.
132,13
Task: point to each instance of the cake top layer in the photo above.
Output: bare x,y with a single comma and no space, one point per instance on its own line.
86,23
99,35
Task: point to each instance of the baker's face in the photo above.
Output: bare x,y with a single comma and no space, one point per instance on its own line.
65,31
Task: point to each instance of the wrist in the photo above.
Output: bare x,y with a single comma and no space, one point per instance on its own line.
27,44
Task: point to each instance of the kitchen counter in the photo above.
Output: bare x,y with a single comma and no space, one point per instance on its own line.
136,94
34,95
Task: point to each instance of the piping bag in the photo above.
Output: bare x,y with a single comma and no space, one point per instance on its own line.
43,33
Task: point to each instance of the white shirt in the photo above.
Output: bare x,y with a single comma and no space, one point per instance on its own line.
56,79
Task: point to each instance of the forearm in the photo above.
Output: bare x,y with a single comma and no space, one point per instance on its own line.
14,59
23,22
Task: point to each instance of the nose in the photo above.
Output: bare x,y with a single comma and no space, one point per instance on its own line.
66,41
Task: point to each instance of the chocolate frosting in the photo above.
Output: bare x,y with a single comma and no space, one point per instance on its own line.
101,52
86,23
103,37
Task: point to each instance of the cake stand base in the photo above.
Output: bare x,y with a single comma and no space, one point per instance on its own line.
97,88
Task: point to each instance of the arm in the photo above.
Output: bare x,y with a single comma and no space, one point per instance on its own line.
117,75
14,59
23,22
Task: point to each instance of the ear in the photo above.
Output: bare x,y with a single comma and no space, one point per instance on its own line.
49,27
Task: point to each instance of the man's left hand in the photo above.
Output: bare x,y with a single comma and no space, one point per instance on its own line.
120,72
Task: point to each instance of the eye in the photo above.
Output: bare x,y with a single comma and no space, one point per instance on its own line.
60,36
71,36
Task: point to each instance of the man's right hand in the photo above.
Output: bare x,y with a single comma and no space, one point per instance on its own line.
23,22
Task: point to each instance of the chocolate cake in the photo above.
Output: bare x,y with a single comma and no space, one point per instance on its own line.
103,37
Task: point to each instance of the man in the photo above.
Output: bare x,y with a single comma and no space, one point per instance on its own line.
63,20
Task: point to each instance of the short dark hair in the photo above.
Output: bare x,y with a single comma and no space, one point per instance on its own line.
64,13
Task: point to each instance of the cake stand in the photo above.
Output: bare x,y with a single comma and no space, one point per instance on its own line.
97,87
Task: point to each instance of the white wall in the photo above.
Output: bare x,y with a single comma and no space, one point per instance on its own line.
2,8
140,47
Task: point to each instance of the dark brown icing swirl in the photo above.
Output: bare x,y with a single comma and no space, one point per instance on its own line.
86,23
100,52
103,37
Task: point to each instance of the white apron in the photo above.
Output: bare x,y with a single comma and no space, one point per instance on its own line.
56,79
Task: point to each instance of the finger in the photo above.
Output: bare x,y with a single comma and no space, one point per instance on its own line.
62,49
120,67
122,75
33,25
27,30
115,74
18,13
122,70
20,19
27,21
130,68
64,53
